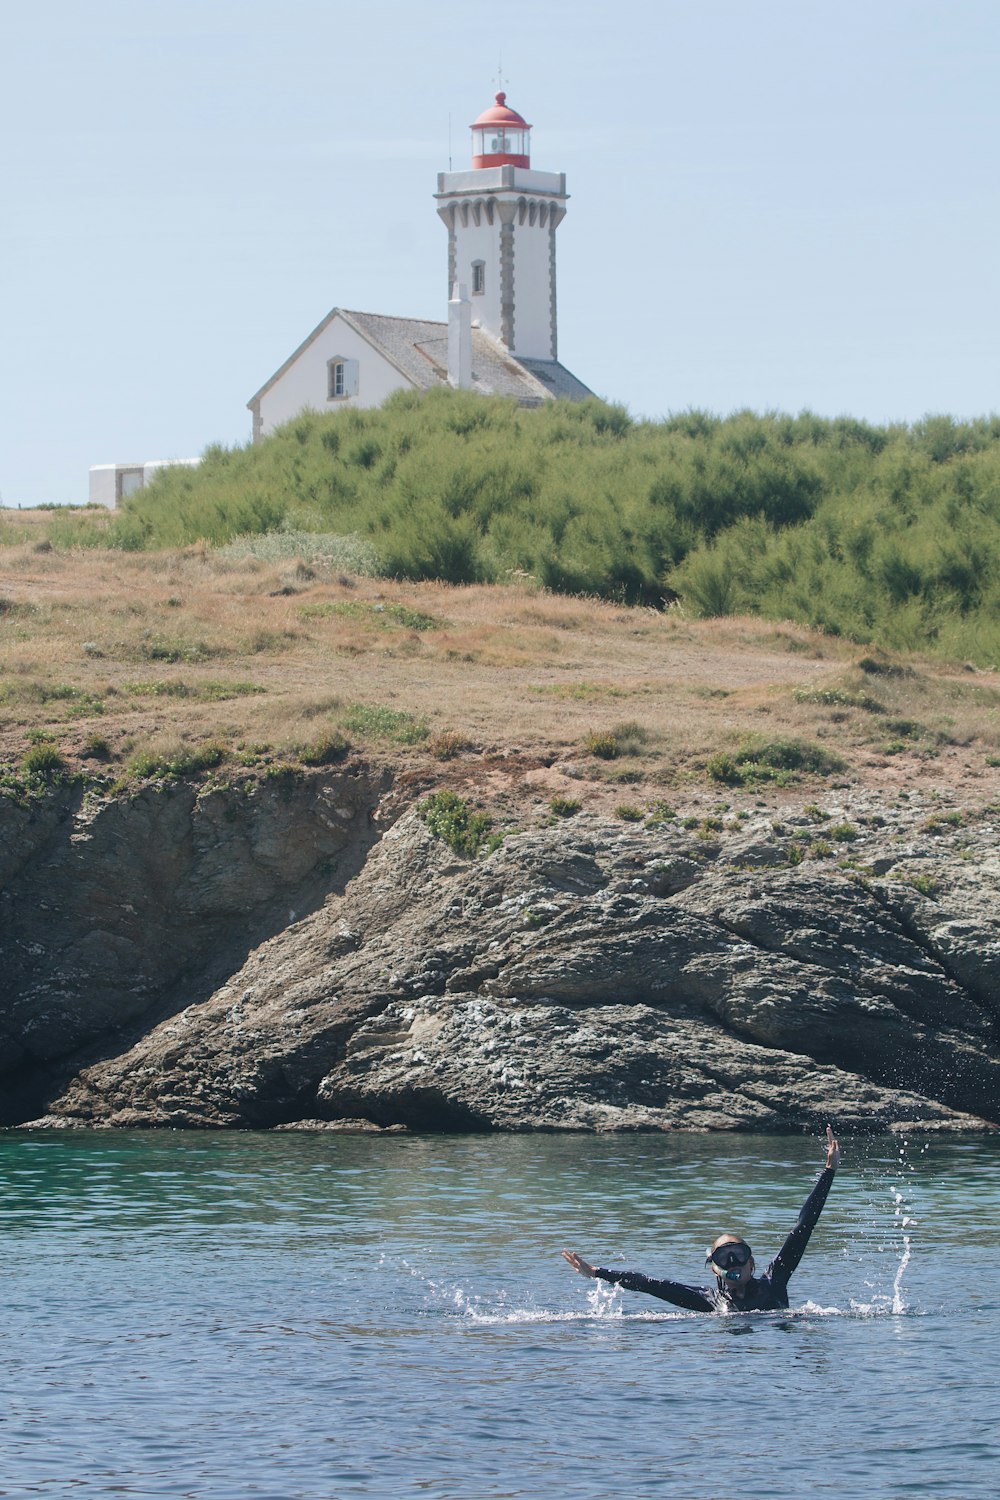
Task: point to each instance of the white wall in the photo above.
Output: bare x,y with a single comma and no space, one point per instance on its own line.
304,384
532,292
102,485
482,243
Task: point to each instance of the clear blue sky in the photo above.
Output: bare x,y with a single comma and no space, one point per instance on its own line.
774,203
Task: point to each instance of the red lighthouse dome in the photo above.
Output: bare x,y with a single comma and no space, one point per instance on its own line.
501,137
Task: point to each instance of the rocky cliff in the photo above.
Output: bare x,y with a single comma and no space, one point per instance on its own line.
273,954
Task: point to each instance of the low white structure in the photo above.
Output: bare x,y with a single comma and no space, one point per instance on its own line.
110,484
501,333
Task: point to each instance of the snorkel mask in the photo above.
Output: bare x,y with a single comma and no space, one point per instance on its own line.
727,1261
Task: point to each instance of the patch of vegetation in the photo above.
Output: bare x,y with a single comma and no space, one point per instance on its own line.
350,553
452,820
448,744
393,724
602,744
152,647
781,762
879,666
843,833
622,739
385,616
629,813
839,698
176,687
888,536
659,813
96,747
564,807
906,729
944,822
925,884
79,702
327,750
43,760
583,692
177,762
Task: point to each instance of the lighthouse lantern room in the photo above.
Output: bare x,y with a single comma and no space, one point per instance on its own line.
500,136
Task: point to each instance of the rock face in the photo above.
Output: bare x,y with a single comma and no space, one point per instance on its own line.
585,976
117,911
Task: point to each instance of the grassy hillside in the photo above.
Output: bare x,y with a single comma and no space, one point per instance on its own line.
118,666
886,535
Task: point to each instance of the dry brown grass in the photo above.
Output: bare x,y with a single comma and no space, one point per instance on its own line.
150,649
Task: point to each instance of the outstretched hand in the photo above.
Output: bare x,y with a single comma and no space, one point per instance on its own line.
832,1149
578,1263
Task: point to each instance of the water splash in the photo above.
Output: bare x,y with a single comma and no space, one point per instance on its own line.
904,1221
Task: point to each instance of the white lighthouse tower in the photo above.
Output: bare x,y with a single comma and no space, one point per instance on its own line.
502,218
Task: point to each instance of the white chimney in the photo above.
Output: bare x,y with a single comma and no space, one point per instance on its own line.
460,339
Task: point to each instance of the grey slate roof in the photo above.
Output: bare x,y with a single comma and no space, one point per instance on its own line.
419,350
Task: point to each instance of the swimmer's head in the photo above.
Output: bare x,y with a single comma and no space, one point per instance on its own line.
731,1259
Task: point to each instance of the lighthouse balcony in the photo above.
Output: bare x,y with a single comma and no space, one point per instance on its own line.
505,179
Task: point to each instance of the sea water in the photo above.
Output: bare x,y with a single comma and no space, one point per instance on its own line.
287,1316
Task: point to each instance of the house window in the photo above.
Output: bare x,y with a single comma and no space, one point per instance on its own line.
341,378
478,277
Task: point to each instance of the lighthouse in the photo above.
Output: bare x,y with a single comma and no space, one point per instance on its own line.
502,216
500,338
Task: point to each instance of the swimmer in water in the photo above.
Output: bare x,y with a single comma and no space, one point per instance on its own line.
736,1288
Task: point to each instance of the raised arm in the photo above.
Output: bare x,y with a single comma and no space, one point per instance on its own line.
691,1297
791,1251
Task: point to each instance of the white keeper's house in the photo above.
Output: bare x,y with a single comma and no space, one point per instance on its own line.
501,334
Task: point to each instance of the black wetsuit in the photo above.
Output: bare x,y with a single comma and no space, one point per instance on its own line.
761,1294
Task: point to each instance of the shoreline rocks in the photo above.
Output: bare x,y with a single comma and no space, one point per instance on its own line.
764,973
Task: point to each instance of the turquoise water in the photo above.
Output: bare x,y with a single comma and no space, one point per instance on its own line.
292,1316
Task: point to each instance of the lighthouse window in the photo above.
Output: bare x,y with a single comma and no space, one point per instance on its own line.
478,278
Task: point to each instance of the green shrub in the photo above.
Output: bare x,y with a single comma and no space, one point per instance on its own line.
564,807
451,819
603,744
325,751
844,833
629,813
393,724
888,536
780,761
184,760
43,760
